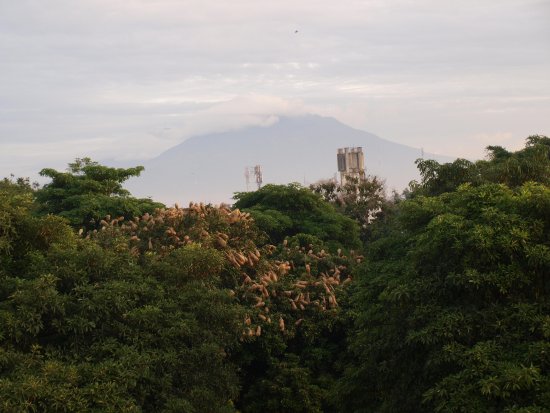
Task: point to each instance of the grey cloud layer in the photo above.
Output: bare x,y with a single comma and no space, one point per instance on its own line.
138,74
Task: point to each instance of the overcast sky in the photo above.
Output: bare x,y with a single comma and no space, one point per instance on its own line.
128,79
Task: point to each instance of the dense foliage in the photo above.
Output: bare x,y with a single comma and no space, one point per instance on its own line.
359,199
86,327
453,300
88,191
111,303
174,310
458,298
532,163
288,210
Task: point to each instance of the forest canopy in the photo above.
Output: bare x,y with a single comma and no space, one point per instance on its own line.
323,299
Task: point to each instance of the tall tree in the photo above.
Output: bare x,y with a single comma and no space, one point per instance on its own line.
453,300
454,306
531,163
288,210
362,200
92,324
88,191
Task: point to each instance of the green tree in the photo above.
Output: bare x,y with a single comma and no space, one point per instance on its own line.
531,163
87,192
295,368
294,296
288,210
362,200
439,178
89,325
453,306
181,309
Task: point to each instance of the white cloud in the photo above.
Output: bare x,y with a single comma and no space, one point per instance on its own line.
236,113
142,75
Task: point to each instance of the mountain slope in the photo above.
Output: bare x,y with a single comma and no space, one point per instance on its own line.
210,168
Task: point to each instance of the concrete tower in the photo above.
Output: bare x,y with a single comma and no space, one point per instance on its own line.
351,164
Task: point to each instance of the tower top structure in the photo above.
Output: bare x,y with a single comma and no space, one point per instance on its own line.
351,163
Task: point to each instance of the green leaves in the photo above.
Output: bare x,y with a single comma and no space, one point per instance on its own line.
510,168
289,210
458,296
88,192
88,326
189,309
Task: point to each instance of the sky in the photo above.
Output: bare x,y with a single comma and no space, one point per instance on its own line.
128,79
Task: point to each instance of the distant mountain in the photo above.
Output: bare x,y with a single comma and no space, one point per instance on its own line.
210,168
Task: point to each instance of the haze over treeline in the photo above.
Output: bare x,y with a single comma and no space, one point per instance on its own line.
326,298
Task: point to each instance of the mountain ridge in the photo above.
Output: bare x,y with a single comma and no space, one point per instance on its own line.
210,168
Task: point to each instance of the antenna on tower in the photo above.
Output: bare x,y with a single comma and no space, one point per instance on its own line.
257,172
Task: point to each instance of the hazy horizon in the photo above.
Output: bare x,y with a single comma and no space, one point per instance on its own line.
127,80
210,168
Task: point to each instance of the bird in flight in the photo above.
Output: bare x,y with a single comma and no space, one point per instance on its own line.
295,31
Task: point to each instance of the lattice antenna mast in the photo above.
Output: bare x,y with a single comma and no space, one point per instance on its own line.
255,171
258,175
